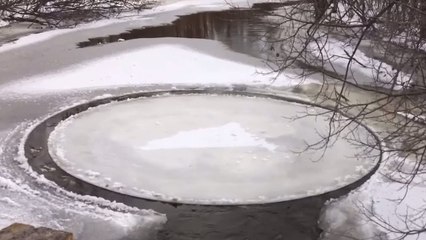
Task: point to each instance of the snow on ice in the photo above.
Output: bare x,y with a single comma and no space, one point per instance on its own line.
245,150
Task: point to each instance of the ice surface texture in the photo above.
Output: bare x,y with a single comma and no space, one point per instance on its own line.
205,149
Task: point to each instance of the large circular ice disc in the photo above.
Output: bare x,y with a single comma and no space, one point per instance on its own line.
205,149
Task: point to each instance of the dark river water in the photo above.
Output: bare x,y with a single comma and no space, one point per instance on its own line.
244,30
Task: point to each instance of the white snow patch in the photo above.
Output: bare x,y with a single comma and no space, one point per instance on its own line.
362,70
32,39
384,201
346,15
160,64
172,5
3,23
227,136
418,118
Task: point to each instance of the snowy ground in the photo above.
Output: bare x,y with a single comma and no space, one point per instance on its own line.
43,73
381,200
363,69
140,66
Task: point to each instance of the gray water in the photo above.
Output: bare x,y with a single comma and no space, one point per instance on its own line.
245,31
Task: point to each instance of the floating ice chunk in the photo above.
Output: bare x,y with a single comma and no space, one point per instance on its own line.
208,149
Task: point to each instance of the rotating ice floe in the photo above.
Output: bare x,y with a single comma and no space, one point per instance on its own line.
218,162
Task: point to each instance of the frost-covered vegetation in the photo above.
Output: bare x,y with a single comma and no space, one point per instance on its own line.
372,58
65,12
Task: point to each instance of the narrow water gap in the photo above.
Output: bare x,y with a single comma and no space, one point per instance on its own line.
242,30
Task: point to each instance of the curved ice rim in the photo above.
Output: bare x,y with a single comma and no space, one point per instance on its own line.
332,191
